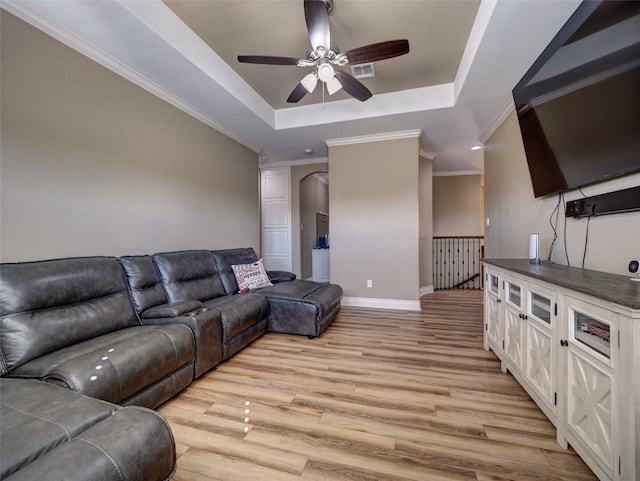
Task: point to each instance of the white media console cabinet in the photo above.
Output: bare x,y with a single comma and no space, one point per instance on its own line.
571,338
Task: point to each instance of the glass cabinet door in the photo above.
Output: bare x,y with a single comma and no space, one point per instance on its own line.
592,333
590,329
541,305
494,284
514,294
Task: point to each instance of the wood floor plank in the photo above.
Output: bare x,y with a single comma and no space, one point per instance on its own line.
258,454
520,437
382,395
233,428
200,465
356,457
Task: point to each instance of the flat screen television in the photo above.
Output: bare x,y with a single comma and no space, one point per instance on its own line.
578,106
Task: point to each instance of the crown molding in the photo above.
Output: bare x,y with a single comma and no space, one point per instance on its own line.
504,112
427,155
274,165
291,163
456,172
363,139
315,160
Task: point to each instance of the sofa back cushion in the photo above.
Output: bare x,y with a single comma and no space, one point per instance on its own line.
52,304
189,275
144,282
225,258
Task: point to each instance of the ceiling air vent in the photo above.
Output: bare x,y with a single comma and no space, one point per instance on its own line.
364,70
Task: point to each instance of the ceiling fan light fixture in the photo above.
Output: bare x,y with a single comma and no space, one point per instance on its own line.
333,85
309,82
325,72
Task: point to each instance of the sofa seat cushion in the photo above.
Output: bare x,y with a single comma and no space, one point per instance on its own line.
51,433
239,312
116,366
296,289
37,417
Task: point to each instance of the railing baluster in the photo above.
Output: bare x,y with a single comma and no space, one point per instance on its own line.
456,262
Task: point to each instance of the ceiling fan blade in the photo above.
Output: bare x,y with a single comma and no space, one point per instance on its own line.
353,86
377,51
267,60
297,94
317,17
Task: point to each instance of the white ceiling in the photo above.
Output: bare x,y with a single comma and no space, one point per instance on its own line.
465,57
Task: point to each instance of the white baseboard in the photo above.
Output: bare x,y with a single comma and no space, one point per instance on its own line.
426,290
404,305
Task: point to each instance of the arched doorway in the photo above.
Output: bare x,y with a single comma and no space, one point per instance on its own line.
314,218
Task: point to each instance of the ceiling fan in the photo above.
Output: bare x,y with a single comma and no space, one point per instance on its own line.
326,60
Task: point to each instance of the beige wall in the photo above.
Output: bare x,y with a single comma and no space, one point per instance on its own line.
514,213
426,223
373,203
299,172
457,205
94,165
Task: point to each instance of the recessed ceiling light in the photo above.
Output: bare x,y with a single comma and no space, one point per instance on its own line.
476,147
308,151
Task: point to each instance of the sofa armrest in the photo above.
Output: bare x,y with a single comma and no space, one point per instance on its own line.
206,326
173,309
280,276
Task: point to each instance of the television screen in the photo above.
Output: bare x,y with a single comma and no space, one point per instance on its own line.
579,104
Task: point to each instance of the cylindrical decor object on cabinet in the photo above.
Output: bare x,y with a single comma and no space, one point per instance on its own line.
534,248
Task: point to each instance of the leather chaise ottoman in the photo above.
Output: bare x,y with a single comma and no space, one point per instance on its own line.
295,306
302,307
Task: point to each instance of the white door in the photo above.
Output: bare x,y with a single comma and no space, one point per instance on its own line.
275,191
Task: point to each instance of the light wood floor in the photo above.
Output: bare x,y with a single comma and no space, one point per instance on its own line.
381,395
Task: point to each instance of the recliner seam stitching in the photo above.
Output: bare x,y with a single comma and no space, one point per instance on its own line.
66,431
99,448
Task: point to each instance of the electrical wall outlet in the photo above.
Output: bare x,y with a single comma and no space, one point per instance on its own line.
369,283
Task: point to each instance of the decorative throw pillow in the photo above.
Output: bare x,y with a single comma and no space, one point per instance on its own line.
251,276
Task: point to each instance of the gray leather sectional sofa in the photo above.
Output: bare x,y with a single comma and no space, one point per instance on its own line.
88,346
